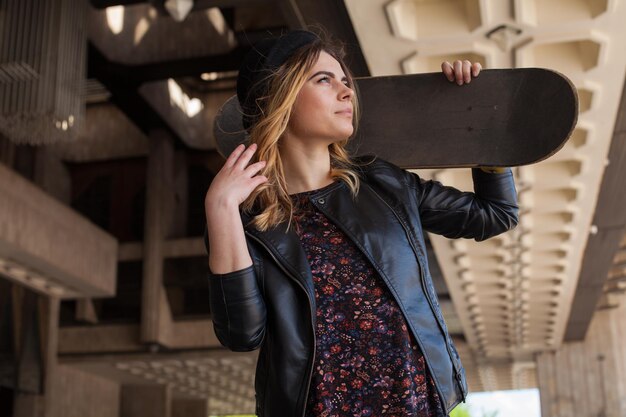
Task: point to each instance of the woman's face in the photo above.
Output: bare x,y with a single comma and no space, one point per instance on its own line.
323,109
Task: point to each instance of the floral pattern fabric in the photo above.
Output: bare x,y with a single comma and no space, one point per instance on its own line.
367,362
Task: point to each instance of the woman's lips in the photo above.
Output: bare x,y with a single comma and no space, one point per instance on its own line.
347,112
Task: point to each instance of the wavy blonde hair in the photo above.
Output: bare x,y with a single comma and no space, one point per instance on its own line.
270,202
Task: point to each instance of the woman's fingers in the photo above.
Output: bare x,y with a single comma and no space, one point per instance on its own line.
234,155
448,70
476,69
460,71
256,181
245,157
467,68
252,181
254,168
236,180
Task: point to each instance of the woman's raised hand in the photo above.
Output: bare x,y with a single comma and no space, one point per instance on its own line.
230,187
236,180
461,71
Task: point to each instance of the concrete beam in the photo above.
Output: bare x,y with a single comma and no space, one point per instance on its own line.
124,338
173,248
602,247
50,248
100,339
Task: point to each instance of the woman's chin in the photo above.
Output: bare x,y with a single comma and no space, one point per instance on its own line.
345,134
340,138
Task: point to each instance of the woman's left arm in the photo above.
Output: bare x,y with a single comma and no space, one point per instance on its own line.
492,208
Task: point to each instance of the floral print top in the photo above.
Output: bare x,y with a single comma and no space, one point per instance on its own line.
367,362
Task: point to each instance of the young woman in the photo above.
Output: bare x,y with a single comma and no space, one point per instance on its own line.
318,259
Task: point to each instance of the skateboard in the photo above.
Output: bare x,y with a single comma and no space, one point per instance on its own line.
504,117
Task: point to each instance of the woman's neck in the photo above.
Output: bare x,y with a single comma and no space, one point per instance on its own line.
306,169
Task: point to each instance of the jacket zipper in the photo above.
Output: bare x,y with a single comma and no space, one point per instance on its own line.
457,373
308,379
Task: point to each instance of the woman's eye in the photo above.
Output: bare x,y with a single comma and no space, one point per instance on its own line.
324,79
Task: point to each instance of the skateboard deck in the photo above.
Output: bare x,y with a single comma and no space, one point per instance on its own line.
504,117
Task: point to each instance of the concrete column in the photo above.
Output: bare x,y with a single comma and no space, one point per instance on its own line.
146,401
587,378
37,335
28,405
180,197
189,408
51,174
86,311
159,204
77,393
49,318
7,151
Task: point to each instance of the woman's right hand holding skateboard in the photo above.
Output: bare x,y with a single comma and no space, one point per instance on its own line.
461,71
230,187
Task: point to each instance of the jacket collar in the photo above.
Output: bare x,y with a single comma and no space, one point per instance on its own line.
285,245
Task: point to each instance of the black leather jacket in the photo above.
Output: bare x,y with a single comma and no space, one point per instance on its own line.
271,304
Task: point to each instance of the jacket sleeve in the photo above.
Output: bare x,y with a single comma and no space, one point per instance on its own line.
237,307
489,211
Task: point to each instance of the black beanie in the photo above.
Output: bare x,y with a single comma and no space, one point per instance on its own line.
265,57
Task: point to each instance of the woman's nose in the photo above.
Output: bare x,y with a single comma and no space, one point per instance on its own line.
346,92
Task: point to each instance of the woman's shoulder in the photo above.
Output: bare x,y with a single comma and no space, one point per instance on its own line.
374,167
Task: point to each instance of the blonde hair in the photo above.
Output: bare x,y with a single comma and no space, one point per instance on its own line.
271,198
